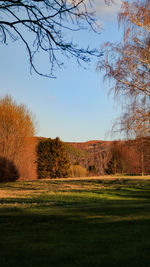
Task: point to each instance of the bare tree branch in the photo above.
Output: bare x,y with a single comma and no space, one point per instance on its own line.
47,22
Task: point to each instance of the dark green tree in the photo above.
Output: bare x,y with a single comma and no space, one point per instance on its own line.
52,160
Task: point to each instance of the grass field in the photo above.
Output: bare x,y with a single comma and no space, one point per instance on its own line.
78,222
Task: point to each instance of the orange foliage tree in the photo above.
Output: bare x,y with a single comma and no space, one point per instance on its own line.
16,125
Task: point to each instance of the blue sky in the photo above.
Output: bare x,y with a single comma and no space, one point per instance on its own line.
75,106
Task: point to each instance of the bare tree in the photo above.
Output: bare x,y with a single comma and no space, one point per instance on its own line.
42,26
127,64
134,123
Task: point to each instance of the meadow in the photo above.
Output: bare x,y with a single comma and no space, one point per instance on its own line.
75,222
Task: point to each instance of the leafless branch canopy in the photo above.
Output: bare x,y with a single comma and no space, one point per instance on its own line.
127,64
47,21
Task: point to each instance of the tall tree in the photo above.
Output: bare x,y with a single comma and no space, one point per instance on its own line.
128,64
16,124
52,160
47,23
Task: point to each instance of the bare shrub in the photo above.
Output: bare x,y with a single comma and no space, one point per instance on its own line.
77,171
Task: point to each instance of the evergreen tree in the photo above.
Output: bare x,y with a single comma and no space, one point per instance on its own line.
52,160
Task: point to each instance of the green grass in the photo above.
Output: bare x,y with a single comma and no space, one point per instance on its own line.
75,223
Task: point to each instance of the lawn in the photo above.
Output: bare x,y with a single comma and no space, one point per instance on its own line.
78,222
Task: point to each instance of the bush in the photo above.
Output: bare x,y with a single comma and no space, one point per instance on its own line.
8,171
77,171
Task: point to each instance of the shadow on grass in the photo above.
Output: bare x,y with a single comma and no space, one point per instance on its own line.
68,237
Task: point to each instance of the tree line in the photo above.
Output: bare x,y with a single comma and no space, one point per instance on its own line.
129,157
22,155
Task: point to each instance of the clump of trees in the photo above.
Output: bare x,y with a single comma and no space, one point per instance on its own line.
129,157
75,154
52,160
16,126
94,159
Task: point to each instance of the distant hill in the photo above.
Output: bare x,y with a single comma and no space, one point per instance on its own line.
91,145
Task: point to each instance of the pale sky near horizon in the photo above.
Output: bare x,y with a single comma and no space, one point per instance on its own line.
75,106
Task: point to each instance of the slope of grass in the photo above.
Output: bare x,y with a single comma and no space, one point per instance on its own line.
75,223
